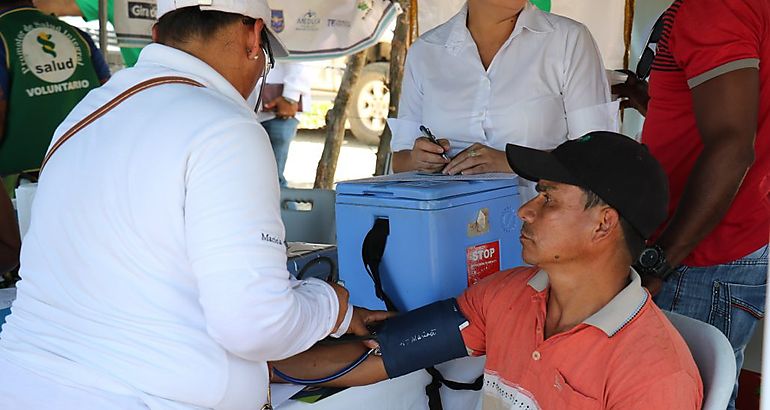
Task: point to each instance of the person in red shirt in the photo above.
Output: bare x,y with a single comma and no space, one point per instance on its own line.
574,331
708,123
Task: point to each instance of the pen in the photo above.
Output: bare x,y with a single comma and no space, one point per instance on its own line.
426,132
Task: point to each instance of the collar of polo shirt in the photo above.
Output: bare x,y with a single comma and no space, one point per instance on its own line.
531,18
614,315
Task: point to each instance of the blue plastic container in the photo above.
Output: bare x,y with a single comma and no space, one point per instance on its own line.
444,234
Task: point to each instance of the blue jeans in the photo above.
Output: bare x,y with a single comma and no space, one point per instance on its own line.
730,297
281,132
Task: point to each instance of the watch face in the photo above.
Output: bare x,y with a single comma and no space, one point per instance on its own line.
649,258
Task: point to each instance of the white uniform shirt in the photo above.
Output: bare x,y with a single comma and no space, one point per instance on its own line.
154,265
296,78
546,84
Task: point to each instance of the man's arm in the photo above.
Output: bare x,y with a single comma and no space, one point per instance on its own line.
297,80
10,242
634,91
97,58
324,360
436,333
726,114
58,7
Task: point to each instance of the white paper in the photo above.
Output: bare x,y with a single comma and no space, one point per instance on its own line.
7,296
282,392
615,77
420,176
25,194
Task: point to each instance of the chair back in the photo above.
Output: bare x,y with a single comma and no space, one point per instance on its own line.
714,357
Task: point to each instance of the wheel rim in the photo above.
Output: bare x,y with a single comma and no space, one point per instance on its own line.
373,104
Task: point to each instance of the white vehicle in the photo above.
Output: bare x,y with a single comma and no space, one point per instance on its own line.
370,97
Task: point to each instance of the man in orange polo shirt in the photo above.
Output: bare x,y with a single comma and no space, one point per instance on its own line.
574,331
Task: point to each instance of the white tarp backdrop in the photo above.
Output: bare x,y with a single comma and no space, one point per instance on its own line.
431,13
605,19
324,29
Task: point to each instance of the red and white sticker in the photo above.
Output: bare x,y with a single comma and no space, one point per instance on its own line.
482,261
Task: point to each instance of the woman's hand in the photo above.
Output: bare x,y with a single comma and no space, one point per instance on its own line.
362,318
426,156
478,159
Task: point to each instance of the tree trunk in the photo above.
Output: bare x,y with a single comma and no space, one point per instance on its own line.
335,123
628,27
398,49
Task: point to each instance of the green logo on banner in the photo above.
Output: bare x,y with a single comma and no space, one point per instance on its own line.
544,5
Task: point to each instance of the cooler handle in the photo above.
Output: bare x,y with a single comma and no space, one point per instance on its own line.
371,252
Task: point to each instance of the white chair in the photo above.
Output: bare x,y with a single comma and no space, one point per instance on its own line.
308,215
714,357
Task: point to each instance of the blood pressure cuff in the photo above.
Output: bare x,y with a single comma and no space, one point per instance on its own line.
422,337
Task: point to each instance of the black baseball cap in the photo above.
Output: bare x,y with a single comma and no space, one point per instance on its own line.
621,171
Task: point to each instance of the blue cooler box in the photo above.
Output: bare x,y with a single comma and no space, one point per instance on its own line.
444,235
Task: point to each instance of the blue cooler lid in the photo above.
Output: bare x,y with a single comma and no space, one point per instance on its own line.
438,193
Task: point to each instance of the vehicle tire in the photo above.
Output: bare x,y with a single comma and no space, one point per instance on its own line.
370,100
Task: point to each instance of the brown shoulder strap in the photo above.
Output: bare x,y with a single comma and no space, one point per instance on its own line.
112,104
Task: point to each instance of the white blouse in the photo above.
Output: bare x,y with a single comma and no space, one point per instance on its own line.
546,84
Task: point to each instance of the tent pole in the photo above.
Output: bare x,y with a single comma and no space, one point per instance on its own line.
414,22
103,27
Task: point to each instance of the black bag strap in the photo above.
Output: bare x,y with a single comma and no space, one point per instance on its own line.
104,109
432,390
372,251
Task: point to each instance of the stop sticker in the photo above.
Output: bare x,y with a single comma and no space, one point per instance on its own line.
482,261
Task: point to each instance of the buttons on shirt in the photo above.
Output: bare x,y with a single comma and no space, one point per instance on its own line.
535,355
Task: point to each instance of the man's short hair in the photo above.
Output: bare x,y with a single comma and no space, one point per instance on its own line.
634,241
187,23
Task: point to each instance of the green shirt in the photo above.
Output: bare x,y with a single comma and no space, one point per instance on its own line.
48,64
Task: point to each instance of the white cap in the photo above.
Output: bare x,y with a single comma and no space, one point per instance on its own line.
257,9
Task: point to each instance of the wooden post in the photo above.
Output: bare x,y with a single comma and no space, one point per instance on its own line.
335,123
398,49
627,30
414,21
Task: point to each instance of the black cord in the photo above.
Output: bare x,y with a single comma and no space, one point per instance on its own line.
321,259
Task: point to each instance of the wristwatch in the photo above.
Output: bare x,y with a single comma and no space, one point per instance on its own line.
290,100
653,262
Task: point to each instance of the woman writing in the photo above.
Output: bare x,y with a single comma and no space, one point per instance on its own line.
498,72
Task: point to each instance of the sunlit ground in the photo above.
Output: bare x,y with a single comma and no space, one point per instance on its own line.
356,160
